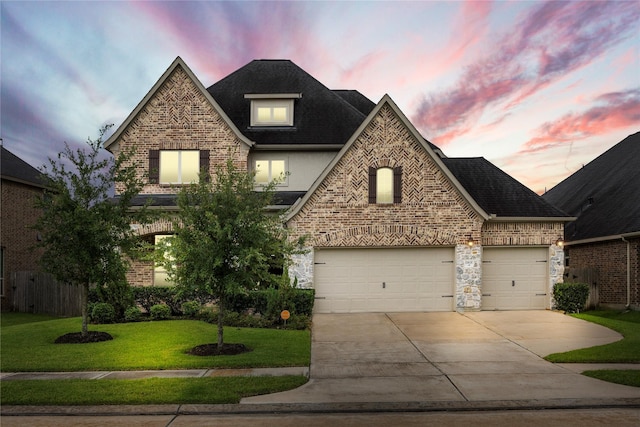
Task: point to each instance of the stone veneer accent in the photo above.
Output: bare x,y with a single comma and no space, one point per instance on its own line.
556,270
301,268
468,277
178,116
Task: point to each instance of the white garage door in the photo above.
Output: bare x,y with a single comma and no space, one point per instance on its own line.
384,280
514,278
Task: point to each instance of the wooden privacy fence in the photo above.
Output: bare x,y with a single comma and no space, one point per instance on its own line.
35,292
585,275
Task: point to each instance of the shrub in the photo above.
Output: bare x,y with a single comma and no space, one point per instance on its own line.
132,314
191,308
570,297
103,312
160,312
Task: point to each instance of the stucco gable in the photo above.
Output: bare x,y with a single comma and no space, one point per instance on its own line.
180,117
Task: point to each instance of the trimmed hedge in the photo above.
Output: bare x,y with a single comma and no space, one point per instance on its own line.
571,297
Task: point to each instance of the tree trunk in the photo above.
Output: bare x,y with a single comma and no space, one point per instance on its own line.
84,302
220,322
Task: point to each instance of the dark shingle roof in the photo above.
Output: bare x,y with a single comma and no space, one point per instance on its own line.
358,100
320,117
15,169
497,192
604,194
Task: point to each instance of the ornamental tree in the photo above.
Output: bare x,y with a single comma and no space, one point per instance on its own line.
85,231
225,240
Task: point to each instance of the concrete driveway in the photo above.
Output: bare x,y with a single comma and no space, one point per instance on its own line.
448,357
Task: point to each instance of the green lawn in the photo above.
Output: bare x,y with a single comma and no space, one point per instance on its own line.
626,350
143,345
142,392
27,344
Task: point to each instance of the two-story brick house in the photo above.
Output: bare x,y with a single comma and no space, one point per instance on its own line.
393,224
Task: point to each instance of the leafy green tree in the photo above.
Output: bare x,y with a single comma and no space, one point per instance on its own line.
225,241
84,231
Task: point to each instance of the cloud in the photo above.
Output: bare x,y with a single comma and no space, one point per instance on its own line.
614,110
551,41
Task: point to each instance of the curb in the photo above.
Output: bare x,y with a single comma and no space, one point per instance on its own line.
319,408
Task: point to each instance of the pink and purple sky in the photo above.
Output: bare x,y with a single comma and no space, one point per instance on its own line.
538,88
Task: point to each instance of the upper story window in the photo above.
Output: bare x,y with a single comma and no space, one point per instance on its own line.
272,109
385,185
268,170
177,166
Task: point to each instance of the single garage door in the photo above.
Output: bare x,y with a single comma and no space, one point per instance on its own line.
514,278
384,280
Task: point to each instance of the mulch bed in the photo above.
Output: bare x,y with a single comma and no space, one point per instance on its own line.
77,338
213,350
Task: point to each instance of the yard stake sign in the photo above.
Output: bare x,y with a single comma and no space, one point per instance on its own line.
284,315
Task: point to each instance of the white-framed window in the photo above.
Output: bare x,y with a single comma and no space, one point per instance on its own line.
179,166
272,112
160,275
384,185
268,170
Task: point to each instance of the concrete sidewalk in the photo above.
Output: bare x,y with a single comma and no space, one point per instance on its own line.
175,373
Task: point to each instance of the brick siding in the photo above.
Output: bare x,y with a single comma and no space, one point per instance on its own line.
608,263
432,211
18,215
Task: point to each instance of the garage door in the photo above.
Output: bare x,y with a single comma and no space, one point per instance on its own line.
384,280
514,278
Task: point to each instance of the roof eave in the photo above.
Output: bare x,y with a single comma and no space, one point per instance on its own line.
495,218
178,62
603,238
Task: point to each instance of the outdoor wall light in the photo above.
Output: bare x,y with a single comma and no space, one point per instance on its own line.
560,243
470,242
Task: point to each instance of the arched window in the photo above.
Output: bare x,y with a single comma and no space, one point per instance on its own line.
385,185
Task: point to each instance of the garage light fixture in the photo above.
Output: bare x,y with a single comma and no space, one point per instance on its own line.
470,241
559,243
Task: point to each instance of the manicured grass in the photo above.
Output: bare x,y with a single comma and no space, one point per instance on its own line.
626,350
626,377
11,319
145,345
142,392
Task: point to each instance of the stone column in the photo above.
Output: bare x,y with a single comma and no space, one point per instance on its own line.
301,268
556,270
468,277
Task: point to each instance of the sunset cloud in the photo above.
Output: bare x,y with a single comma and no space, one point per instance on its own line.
551,41
615,110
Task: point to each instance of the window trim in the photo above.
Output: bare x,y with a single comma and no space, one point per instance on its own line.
270,178
154,165
396,185
271,103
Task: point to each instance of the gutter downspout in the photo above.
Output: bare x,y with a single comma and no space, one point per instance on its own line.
628,272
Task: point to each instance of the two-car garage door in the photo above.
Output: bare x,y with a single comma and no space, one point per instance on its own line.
384,280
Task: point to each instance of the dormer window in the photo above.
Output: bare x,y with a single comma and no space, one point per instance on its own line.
275,110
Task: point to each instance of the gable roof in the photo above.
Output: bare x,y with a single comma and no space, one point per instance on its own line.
178,62
321,116
497,192
604,195
386,100
13,168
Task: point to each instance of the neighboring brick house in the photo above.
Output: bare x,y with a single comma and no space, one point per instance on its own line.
393,224
20,185
603,243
